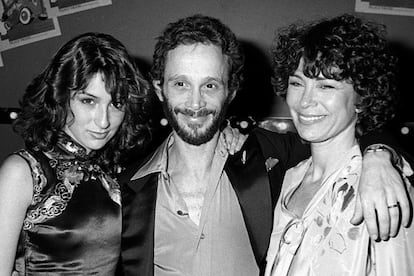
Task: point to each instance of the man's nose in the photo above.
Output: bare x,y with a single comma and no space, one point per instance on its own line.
196,99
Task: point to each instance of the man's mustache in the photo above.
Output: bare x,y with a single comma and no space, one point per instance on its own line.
194,113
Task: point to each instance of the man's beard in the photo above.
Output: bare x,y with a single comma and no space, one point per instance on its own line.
191,133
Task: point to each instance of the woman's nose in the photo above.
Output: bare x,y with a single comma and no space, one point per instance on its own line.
102,118
307,97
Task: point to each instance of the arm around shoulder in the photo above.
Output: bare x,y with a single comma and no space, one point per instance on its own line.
396,256
16,190
288,147
381,186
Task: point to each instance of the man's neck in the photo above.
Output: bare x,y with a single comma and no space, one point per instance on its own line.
192,158
190,169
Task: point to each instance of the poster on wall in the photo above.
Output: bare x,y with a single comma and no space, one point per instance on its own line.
24,22
394,7
27,21
64,7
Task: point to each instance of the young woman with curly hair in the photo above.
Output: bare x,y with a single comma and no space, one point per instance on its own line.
339,81
60,207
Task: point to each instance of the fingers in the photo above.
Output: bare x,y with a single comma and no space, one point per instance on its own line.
227,137
223,139
381,218
405,210
230,137
385,201
383,221
358,216
398,205
235,141
240,142
370,217
394,214
242,139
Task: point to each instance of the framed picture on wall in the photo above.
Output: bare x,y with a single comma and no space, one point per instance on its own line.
394,7
63,7
27,21
18,30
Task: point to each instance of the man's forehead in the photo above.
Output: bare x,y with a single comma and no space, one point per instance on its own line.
196,49
197,59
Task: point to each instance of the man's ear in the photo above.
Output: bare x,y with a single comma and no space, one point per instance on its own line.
232,95
158,89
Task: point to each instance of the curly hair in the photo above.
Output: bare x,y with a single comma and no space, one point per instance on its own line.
199,29
45,104
356,47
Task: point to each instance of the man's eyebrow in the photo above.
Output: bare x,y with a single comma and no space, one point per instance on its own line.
217,79
174,77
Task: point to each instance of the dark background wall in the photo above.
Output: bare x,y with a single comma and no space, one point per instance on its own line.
137,23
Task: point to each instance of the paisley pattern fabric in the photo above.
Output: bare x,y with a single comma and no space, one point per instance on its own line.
73,225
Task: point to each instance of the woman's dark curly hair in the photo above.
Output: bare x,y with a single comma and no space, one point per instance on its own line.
357,48
45,104
199,29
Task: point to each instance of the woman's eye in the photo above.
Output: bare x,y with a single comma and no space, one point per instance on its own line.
119,106
87,101
294,83
327,86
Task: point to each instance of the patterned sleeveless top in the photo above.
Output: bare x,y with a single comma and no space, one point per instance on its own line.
73,225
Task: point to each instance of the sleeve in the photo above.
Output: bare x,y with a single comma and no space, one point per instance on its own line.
407,172
386,138
289,148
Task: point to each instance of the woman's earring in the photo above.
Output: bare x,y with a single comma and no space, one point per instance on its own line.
358,110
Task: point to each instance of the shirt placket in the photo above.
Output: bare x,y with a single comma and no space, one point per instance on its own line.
203,236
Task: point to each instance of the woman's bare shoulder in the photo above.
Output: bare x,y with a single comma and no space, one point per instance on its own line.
16,177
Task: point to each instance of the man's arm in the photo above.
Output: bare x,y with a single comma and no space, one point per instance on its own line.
381,185
383,200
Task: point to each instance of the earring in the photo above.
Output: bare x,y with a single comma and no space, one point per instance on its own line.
358,110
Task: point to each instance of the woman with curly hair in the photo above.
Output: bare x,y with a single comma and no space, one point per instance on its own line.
60,207
339,81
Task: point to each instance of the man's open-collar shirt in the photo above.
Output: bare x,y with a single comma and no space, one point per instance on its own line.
219,245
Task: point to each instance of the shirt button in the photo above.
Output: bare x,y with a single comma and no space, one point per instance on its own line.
202,236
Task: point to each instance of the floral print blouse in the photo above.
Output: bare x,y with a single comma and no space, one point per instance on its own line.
323,241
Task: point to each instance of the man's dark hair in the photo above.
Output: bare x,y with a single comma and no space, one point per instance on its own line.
199,29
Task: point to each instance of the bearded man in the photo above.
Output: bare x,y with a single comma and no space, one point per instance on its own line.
190,208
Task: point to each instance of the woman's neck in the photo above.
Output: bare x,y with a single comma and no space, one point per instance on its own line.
327,155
